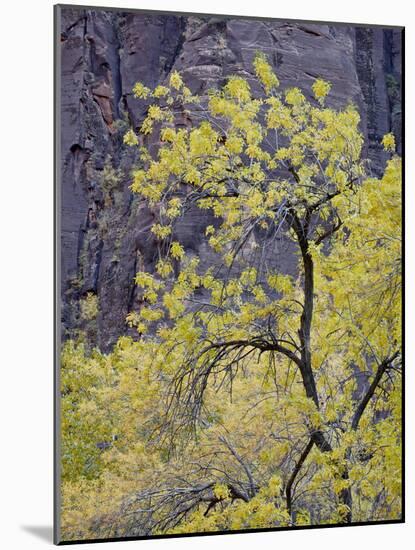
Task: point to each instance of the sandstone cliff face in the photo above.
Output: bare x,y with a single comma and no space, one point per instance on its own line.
105,235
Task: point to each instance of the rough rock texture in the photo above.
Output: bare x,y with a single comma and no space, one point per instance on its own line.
104,229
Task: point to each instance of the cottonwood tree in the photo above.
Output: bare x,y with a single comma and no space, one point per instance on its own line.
276,394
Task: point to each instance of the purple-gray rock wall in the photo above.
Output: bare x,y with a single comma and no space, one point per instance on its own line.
105,230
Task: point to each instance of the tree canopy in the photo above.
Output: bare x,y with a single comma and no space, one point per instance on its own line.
254,395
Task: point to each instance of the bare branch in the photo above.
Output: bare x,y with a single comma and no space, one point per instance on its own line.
382,368
247,470
297,468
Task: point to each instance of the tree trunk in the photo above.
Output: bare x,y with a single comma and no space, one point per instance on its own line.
304,333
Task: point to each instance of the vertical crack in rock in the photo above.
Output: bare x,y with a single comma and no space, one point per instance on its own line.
379,81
